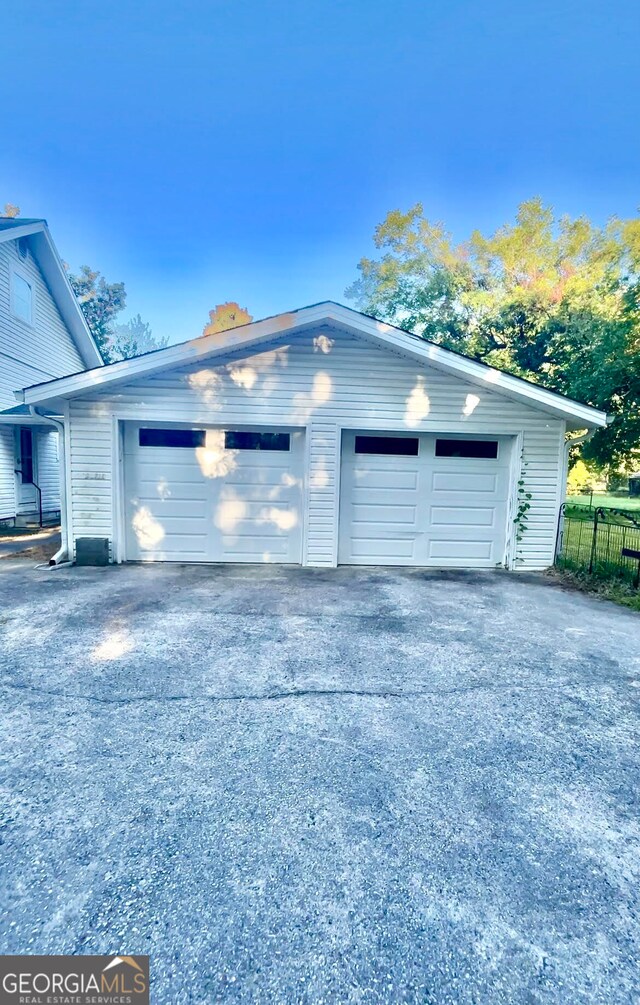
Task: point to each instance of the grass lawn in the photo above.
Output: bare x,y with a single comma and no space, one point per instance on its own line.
609,589
605,499
613,573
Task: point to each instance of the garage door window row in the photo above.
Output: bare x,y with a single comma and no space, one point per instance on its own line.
234,439
408,446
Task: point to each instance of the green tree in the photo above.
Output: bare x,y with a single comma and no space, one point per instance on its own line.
551,299
100,302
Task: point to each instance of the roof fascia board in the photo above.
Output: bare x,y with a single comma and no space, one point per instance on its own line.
13,233
251,335
27,420
179,355
57,279
477,373
50,264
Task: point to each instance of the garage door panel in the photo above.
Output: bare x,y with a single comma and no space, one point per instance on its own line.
160,485
257,509
162,491
401,513
254,549
462,516
424,508
383,497
197,504
458,549
175,544
379,552
261,495
390,479
281,477
180,524
464,482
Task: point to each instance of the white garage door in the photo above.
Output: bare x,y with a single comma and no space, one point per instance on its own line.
423,500
213,495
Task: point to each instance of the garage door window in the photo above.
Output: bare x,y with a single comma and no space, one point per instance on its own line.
236,439
467,448
171,438
405,446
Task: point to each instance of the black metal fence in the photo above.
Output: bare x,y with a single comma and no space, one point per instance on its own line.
602,542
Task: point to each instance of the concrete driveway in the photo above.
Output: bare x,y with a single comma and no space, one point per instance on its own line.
294,786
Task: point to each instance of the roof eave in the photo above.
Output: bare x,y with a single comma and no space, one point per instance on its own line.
24,230
251,335
53,270
55,273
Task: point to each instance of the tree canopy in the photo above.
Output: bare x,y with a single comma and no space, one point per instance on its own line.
555,300
101,303
133,338
225,316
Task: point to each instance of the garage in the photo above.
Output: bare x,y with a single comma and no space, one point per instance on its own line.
310,438
213,495
438,500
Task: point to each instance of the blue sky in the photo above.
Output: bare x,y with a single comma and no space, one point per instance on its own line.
206,151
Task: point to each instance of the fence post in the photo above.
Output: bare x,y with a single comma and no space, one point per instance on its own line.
593,541
559,535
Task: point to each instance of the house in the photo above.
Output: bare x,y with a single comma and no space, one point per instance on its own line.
317,437
43,335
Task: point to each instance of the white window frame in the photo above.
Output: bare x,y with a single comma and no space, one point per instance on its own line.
24,275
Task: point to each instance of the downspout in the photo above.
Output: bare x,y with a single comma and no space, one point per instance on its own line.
62,554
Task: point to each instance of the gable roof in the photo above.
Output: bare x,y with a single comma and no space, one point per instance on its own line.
50,264
251,337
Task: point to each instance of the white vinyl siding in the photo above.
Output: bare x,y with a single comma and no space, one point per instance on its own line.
15,373
324,381
48,467
30,353
7,477
46,344
21,297
90,449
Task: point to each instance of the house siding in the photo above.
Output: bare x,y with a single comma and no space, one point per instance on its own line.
325,381
30,354
7,477
48,468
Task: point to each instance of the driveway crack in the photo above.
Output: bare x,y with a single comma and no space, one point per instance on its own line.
296,693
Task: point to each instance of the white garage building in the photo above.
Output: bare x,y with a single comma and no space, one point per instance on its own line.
317,437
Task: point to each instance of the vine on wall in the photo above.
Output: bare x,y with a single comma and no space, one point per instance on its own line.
522,513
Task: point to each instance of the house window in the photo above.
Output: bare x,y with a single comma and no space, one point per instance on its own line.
21,298
236,439
405,446
467,448
171,437
26,456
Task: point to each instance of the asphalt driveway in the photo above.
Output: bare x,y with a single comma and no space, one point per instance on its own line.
294,786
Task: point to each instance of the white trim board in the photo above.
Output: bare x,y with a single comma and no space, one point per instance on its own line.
249,338
55,275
